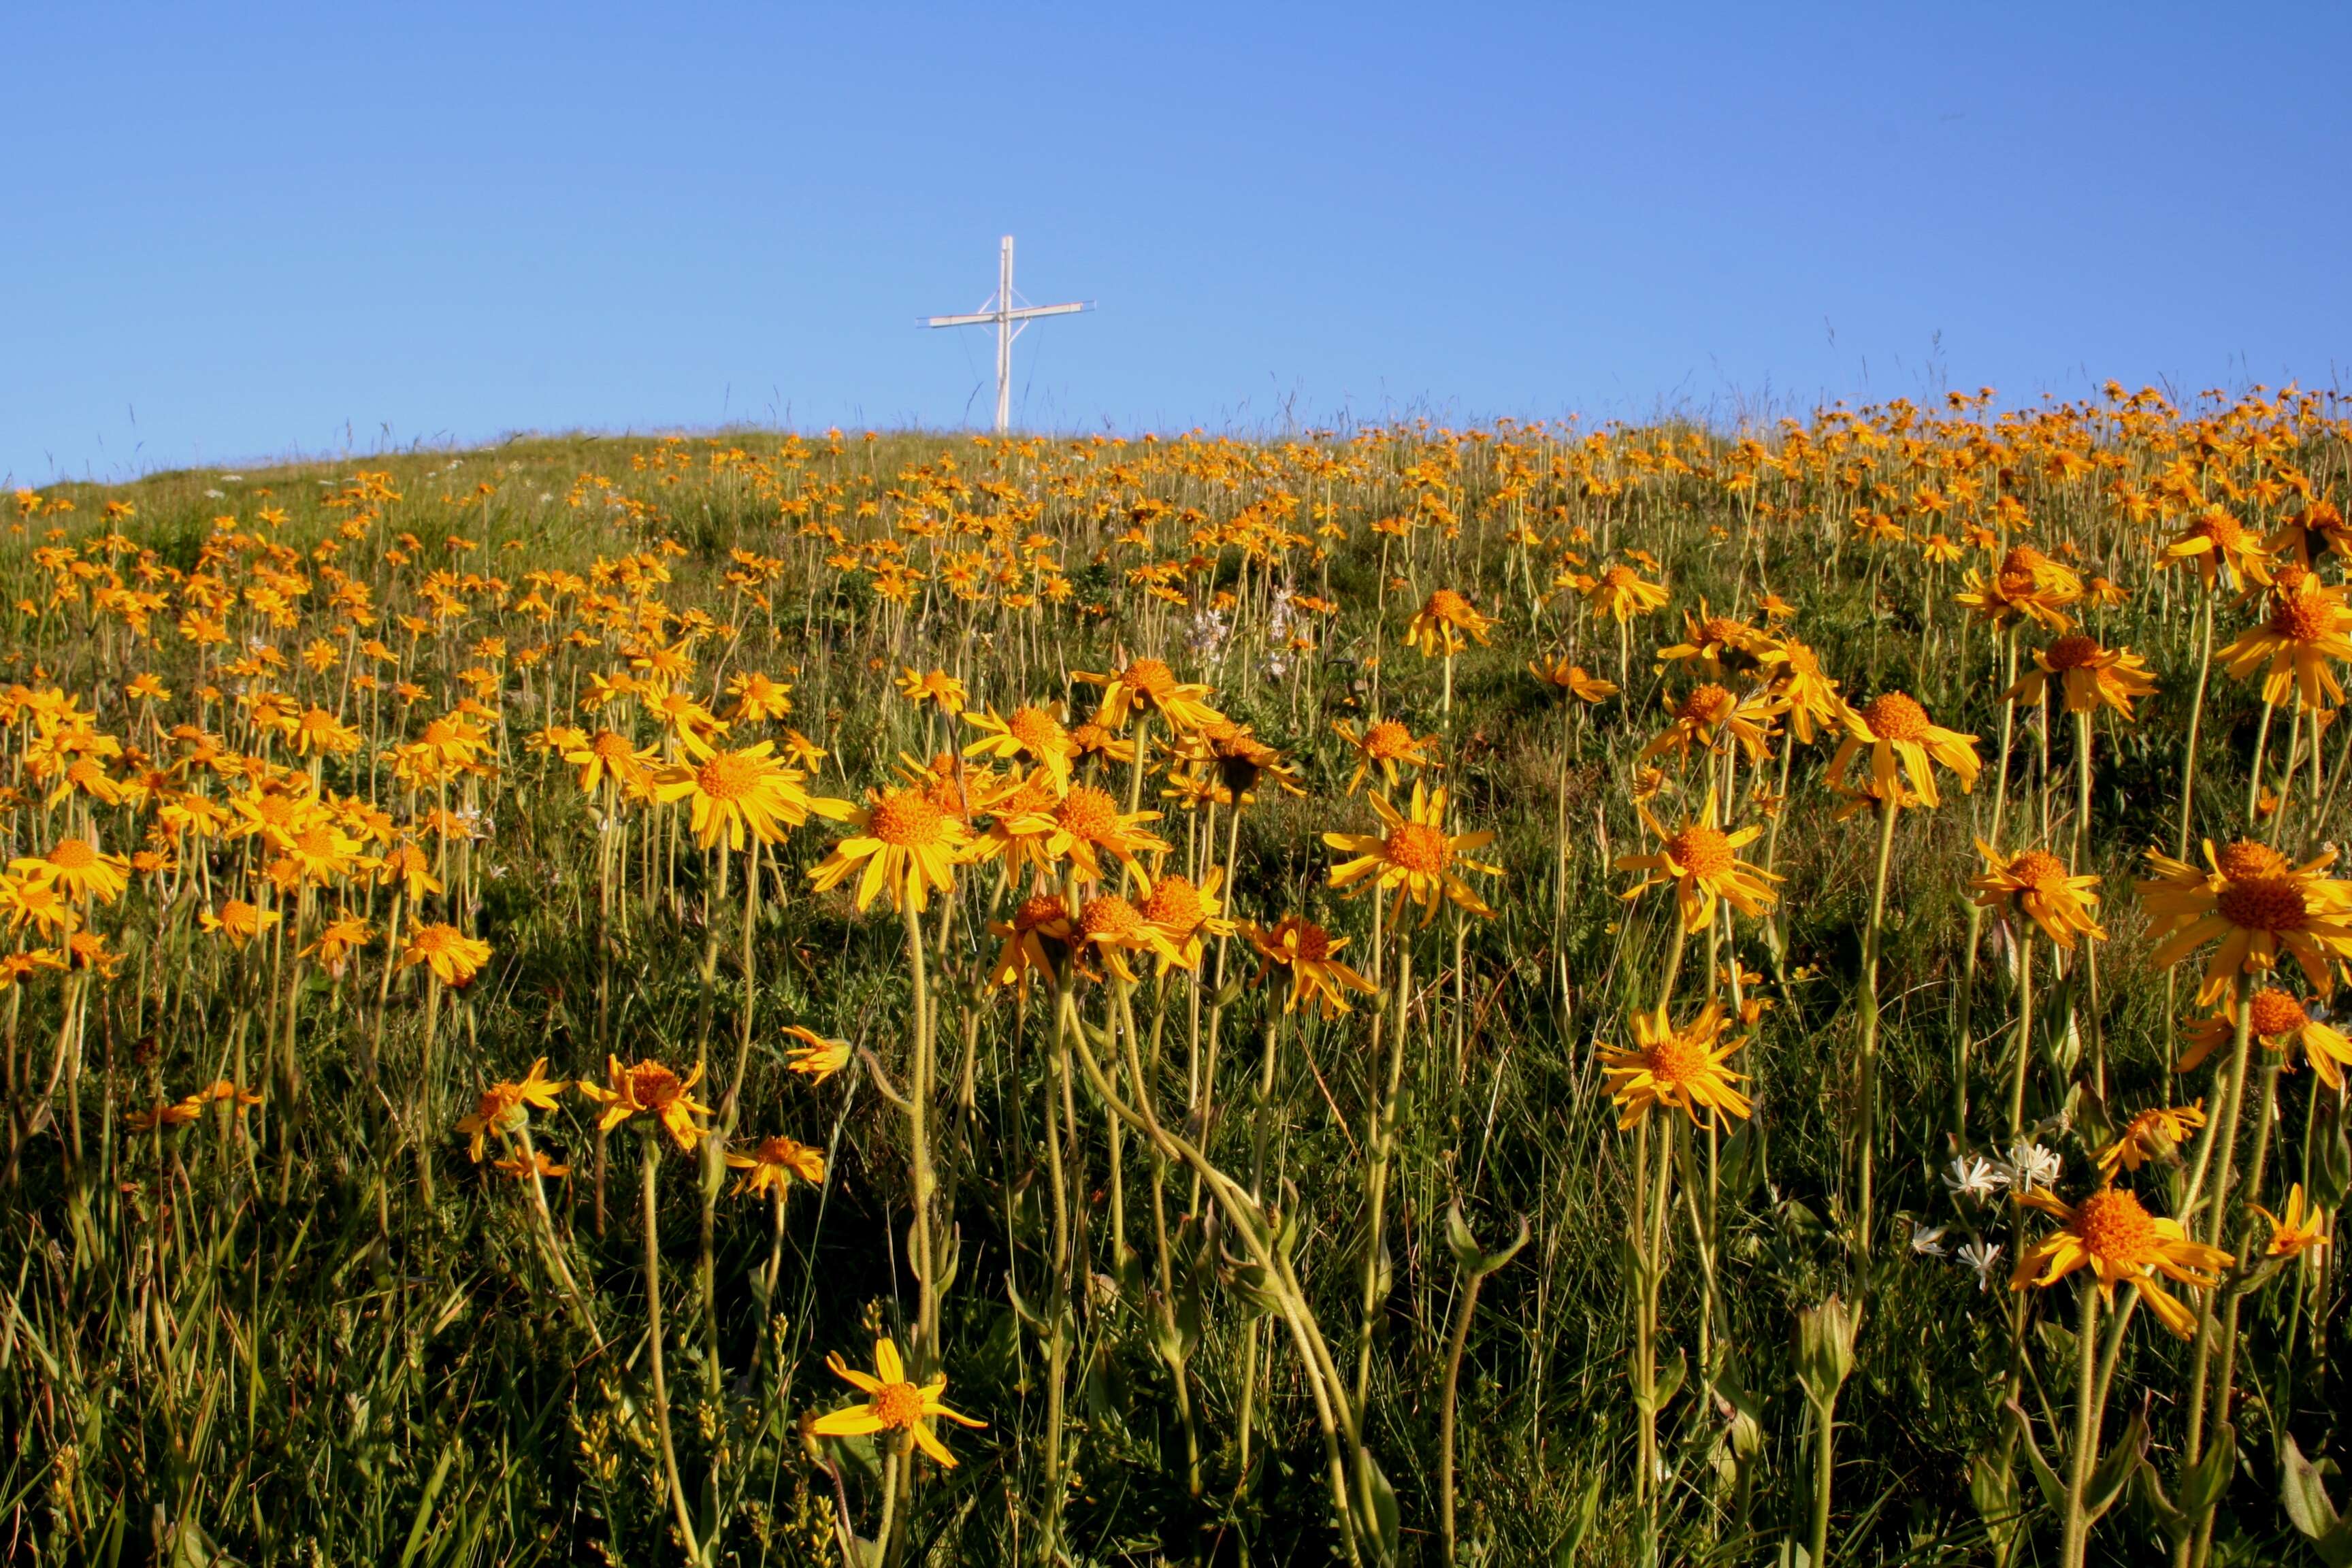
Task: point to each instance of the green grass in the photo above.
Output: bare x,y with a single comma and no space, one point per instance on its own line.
272,1349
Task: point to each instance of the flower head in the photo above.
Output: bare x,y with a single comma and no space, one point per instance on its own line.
651,1089
2111,1233
893,1405
1675,1068
1414,856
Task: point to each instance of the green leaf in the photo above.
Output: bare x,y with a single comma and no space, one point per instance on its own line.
2202,1483
2304,1492
1469,1256
1387,1523
1579,1524
2053,1490
2114,1472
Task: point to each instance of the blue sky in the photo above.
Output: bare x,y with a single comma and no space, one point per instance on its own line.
237,233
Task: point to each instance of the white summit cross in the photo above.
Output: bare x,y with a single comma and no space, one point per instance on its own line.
1008,318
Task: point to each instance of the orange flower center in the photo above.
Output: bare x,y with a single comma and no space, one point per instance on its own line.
610,747
1110,916
904,819
898,1406
1417,846
2221,529
1708,704
2076,652
1043,909
1701,850
1036,730
2289,579
2303,619
727,777
2246,857
653,1085
2040,870
1721,629
2114,1229
1892,716
2024,559
1676,1061
1310,943
2272,904
1618,577
1174,903
1448,605
73,854
2276,1013
1151,677
1089,814
1388,739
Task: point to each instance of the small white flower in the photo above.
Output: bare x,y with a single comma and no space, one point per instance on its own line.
1928,1240
1982,1257
2030,1165
1972,1177
232,479
216,495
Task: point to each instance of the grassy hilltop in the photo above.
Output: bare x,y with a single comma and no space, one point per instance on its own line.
1514,994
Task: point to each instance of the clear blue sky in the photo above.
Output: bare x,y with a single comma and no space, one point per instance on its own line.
239,232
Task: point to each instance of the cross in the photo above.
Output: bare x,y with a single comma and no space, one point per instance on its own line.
1008,320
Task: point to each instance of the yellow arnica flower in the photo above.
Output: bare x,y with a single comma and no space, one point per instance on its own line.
1187,913
935,686
774,1163
2299,1232
1148,685
2119,1241
1438,626
1620,593
892,1404
1388,745
609,755
2155,1134
735,792
903,843
1298,944
237,920
2259,904
2217,543
758,698
1719,645
454,957
1573,679
78,869
1712,715
1807,696
1033,732
1675,1068
2306,634
1898,734
504,1107
1042,918
1115,928
1414,855
816,1058
1083,823
2088,675
648,1089
2036,884
2279,1022
1702,863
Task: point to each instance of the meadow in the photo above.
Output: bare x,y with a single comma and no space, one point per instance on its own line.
1524,994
